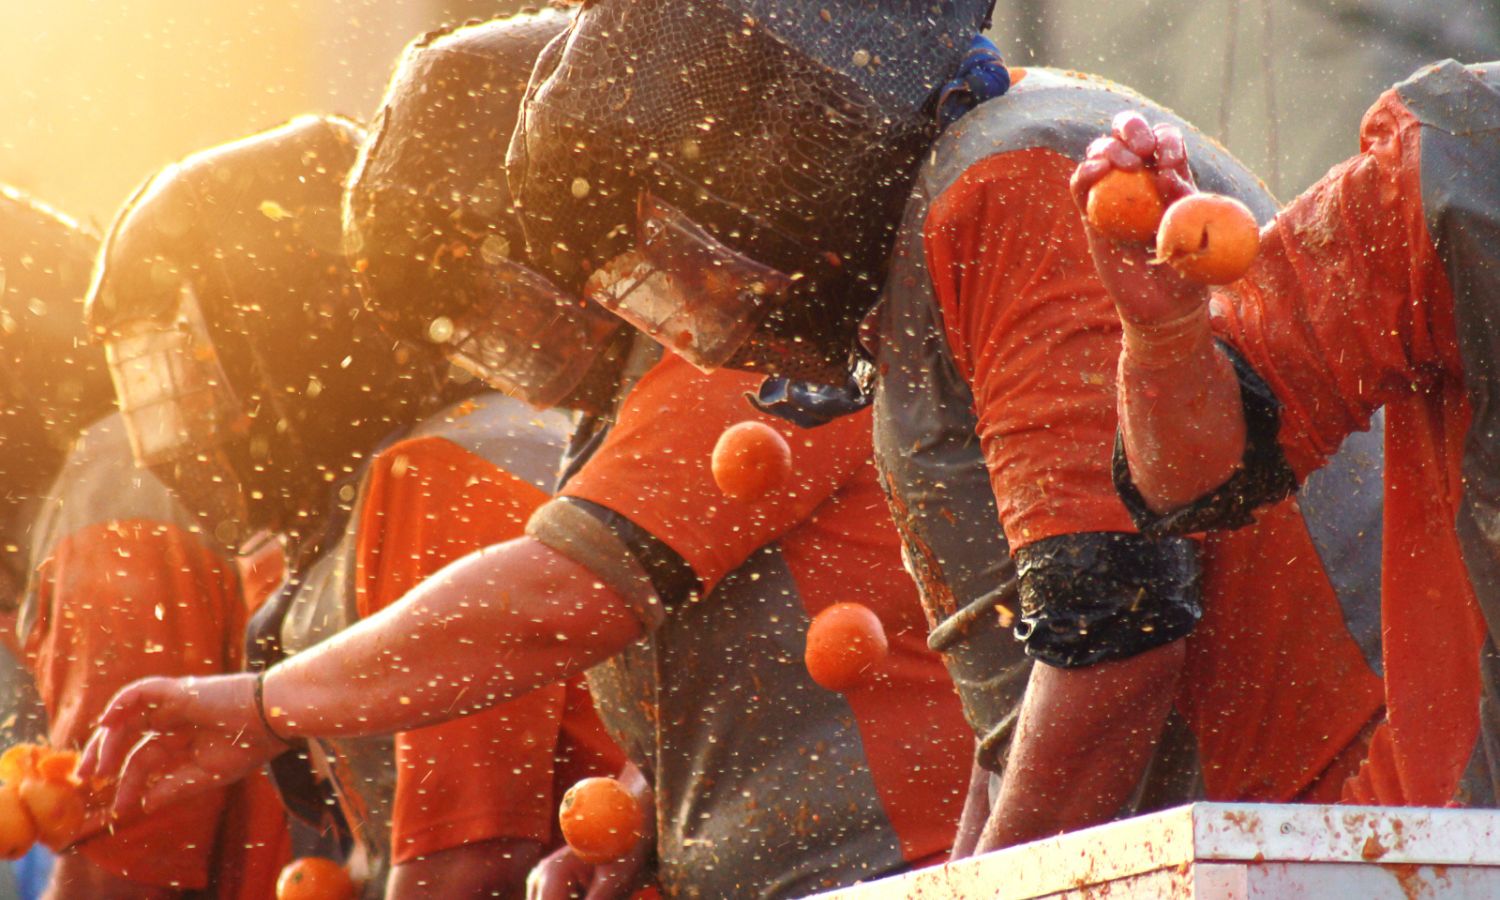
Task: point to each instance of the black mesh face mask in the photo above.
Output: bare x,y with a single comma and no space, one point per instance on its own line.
786,132
428,218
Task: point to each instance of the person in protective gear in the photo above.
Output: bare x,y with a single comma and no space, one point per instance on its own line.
245,384
1372,289
51,382
714,705
994,324
727,174
52,379
86,535
475,271
268,383
474,800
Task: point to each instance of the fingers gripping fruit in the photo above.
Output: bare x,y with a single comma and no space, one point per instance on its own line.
1208,238
845,642
750,460
39,785
601,820
314,878
1125,206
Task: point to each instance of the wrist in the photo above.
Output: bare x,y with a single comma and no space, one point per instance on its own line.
1163,345
264,712
270,717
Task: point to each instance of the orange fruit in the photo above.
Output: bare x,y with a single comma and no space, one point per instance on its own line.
1125,206
57,765
1208,238
844,644
751,460
314,878
601,820
19,761
17,830
56,807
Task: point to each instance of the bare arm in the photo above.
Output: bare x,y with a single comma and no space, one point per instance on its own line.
1179,401
1082,744
485,629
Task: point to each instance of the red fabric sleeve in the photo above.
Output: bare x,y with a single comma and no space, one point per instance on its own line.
491,775
653,467
1348,308
1348,305
1036,336
120,601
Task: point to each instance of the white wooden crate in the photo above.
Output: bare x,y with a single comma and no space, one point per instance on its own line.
1232,851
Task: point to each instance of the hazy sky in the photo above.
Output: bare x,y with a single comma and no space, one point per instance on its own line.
96,95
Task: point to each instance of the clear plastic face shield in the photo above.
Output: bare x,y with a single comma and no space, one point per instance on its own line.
180,413
529,339
680,285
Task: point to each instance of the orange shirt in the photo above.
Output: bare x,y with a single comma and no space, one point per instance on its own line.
125,590
427,501
831,527
1348,308
1035,335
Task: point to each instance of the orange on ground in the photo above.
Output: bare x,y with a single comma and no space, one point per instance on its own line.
314,878
750,460
1208,238
17,830
601,820
844,644
1125,206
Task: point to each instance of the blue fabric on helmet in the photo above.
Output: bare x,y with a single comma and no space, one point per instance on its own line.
981,76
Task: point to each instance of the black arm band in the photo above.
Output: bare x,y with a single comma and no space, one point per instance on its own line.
671,577
1100,596
1263,477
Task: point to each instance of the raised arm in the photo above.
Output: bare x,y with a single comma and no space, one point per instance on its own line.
1179,400
1346,308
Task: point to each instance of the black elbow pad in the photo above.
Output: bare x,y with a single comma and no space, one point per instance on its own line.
1263,478
671,577
1100,596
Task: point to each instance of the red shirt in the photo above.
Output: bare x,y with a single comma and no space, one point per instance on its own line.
1036,337
1348,308
498,774
125,589
831,527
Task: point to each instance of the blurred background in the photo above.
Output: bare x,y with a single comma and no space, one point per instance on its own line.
1282,82
95,95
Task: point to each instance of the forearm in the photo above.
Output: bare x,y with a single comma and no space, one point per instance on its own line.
1084,739
975,813
1180,411
485,629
